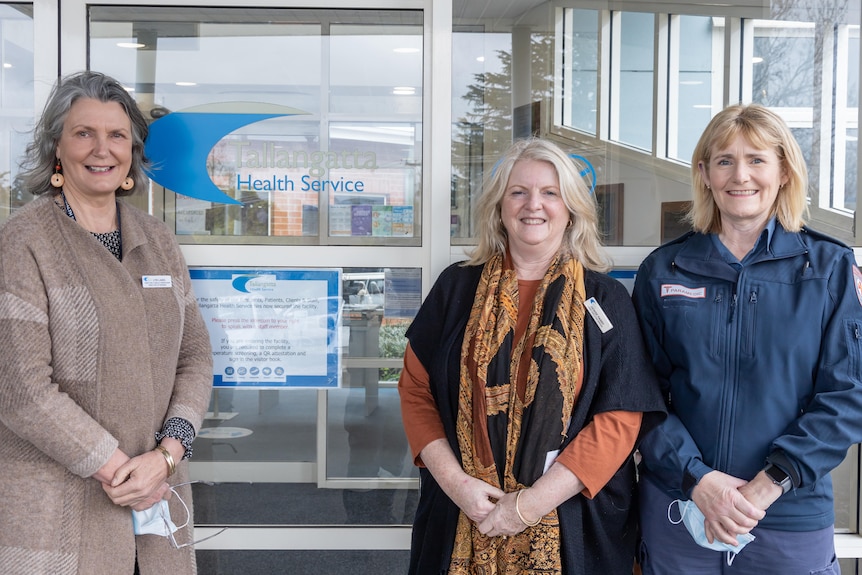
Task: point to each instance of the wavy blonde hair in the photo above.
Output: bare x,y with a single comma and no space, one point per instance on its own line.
581,240
763,129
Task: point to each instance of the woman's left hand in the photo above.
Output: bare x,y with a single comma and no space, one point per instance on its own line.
140,482
503,519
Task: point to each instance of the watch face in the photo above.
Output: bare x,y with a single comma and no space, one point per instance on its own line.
776,474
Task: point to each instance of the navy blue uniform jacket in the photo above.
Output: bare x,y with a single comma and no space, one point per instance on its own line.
758,363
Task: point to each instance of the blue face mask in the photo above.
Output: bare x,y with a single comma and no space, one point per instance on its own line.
154,521
157,520
693,519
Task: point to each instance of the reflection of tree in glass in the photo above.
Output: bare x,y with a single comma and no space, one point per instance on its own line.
784,77
485,130
791,55
392,344
791,73
18,196
252,215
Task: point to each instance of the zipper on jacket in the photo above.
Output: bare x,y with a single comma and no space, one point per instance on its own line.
733,299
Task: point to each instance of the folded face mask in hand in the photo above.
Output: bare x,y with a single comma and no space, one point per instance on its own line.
154,521
693,518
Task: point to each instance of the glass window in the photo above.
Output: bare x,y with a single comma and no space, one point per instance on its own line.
342,450
16,99
481,116
847,112
808,72
324,148
631,119
581,76
695,80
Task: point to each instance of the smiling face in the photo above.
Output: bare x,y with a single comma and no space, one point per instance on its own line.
532,209
95,148
745,182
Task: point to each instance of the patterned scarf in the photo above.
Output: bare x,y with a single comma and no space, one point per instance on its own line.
504,432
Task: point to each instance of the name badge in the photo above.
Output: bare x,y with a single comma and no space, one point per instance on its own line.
156,281
598,315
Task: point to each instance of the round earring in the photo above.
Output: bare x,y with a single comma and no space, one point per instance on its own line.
57,179
127,184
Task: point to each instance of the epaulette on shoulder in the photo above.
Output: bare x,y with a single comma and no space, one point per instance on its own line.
678,240
821,236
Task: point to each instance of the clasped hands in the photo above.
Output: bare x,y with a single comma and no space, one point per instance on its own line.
137,482
493,510
733,506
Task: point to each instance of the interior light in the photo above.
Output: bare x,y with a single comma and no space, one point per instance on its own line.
403,91
7,65
756,60
135,45
480,59
187,84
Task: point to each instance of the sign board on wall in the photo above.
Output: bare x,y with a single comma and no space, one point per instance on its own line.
271,328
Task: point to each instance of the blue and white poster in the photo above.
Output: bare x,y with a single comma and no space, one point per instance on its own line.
271,328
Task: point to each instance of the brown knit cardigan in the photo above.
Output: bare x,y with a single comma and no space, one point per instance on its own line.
90,360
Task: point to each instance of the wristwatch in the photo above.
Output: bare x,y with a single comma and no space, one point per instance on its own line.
778,477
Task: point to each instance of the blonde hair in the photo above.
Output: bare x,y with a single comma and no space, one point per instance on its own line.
581,240
763,129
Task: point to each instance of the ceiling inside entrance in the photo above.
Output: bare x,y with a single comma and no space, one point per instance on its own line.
492,9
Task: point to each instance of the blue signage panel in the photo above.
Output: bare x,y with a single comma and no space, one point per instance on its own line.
271,328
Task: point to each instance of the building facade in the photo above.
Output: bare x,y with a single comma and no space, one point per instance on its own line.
334,158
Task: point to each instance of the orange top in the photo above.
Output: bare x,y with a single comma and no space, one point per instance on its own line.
594,455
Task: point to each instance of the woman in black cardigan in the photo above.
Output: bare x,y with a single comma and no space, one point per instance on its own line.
526,387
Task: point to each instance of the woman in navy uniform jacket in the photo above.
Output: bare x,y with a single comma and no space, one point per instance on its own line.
754,325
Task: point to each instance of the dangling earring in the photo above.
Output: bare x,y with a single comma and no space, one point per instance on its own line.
57,179
128,183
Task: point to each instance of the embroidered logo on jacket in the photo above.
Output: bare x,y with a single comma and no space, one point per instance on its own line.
670,290
857,281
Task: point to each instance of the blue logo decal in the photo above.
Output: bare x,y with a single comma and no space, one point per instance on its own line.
180,142
253,283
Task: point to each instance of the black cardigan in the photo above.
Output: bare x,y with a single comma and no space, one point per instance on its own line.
598,535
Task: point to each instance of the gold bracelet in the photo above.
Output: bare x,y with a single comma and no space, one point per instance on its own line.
518,511
172,467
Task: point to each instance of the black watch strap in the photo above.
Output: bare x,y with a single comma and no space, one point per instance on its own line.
778,477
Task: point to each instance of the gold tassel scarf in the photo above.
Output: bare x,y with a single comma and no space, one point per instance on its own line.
498,426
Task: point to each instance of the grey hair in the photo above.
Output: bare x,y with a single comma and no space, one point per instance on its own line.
41,153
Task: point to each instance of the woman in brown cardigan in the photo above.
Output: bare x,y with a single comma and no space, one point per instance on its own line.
105,361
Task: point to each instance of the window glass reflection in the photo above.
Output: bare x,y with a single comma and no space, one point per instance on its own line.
695,85
16,98
631,122
333,101
805,66
481,116
581,83
783,56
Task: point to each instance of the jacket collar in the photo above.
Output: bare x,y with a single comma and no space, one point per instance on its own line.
130,227
699,255
133,234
